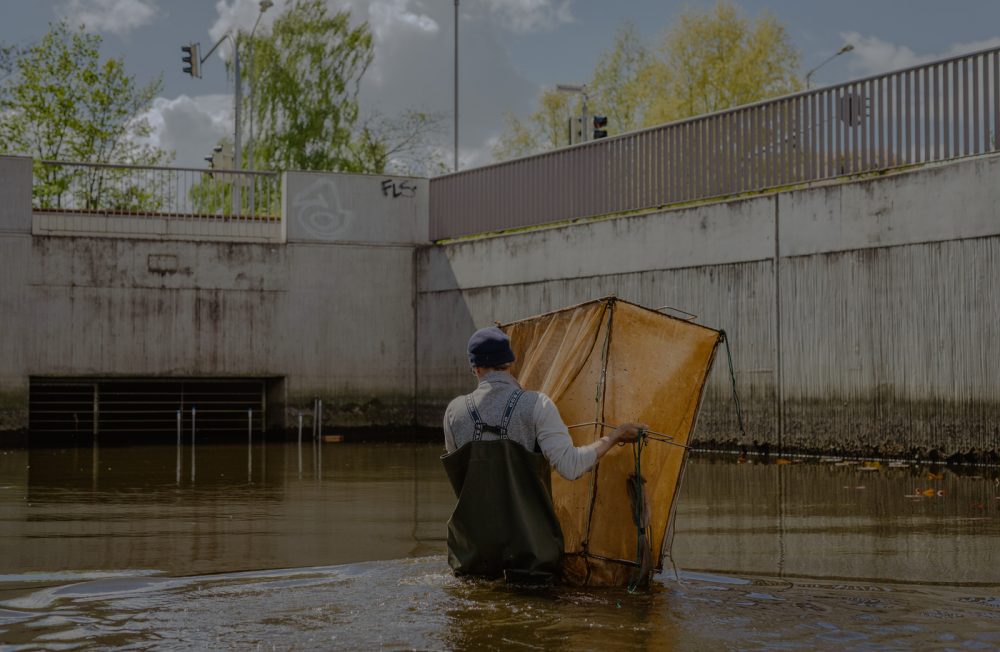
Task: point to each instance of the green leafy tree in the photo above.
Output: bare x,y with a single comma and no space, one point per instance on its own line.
707,61
63,102
305,75
717,60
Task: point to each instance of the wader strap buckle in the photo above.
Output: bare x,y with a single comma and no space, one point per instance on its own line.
481,426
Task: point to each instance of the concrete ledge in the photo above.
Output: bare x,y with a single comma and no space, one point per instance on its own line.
950,201
721,233
156,228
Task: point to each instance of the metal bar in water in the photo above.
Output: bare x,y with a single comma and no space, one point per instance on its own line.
300,445
250,445
95,465
315,414
193,435
179,428
319,444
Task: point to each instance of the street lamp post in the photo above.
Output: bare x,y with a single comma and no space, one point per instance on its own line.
264,6
847,48
456,87
582,90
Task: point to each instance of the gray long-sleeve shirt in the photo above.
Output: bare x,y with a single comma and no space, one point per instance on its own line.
535,420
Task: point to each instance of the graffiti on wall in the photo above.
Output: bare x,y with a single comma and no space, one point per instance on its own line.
396,189
319,211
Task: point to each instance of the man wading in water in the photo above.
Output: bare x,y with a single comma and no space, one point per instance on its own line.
496,437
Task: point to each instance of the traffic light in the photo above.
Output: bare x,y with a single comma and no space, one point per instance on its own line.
600,124
192,57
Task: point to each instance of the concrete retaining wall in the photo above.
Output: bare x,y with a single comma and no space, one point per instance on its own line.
874,329
862,314
324,317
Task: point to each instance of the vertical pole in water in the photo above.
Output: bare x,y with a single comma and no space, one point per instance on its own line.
179,428
319,443
250,446
300,445
194,431
315,414
95,465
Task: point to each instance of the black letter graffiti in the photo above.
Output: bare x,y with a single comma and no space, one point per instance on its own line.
403,189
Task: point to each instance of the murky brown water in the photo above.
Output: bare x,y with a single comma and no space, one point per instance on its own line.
123,547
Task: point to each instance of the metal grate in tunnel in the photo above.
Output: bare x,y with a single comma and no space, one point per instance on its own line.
144,407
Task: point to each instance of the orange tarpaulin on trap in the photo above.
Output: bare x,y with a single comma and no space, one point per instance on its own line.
604,363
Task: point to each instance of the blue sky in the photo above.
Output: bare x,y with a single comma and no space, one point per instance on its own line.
510,49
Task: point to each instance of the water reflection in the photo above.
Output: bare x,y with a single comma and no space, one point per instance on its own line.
916,523
120,507
125,546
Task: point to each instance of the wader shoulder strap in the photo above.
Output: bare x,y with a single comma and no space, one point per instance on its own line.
481,426
508,411
478,420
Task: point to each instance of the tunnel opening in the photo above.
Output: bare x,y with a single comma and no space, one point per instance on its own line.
133,410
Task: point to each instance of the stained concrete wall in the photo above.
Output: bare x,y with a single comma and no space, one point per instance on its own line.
326,318
861,314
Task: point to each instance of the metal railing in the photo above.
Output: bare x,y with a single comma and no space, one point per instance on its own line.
148,191
932,112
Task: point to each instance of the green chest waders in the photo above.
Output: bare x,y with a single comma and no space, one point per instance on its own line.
504,522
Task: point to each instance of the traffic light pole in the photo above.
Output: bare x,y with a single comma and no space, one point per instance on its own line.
237,103
582,91
237,144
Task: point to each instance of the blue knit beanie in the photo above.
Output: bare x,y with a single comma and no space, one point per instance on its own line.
490,347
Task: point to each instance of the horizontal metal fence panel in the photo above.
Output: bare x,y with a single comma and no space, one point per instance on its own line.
146,191
937,111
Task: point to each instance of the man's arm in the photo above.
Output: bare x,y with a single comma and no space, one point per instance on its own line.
553,438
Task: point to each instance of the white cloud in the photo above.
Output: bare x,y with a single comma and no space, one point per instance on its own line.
531,15
972,46
389,15
114,16
190,126
242,14
872,55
